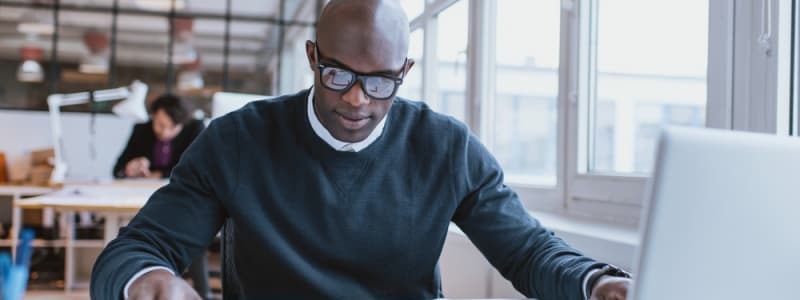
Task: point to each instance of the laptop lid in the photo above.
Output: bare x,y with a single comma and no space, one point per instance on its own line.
723,218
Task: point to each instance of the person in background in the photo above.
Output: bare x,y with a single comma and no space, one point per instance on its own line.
153,150
155,147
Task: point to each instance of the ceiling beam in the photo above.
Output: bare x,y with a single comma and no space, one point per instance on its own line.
179,14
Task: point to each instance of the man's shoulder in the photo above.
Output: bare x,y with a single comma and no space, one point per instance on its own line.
422,118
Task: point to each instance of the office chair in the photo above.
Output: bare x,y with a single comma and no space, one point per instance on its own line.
230,282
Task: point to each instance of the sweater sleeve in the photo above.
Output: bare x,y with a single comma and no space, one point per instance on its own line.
180,219
538,263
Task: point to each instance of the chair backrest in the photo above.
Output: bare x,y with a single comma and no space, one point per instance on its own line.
230,281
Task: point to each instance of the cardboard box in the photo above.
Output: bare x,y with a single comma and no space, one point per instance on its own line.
3,169
42,157
40,175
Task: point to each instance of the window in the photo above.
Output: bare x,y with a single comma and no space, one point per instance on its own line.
633,70
451,47
412,83
413,8
643,72
262,39
525,109
795,85
644,77
25,69
247,64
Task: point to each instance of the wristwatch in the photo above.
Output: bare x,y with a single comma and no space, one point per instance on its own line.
608,269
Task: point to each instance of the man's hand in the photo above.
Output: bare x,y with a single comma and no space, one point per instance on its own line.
610,288
138,167
161,285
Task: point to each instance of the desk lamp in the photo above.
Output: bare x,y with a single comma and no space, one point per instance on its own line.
133,107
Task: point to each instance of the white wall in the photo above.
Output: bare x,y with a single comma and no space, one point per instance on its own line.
467,274
23,131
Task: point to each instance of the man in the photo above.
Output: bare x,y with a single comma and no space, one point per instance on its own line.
342,191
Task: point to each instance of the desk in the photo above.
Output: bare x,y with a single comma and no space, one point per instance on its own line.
114,201
17,192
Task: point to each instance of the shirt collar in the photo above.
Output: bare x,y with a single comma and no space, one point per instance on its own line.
336,144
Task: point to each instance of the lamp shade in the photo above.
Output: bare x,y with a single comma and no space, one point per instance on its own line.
133,107
30,70
94,63
96,60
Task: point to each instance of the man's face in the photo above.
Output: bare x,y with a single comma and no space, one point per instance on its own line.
350,115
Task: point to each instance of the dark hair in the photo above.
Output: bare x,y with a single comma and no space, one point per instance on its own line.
176,109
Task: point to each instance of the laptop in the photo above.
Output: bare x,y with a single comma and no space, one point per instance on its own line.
721,218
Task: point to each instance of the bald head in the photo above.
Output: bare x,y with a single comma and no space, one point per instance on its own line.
374,32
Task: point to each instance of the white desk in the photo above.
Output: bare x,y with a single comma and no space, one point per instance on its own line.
17,192
115,201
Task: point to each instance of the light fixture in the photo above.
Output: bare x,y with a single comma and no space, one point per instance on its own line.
33,22
93,64
96,60
190,76
184,55
35,28
159,5
30,70
133,107
183,51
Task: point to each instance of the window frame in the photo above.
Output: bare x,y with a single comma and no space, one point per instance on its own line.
746,90
794,106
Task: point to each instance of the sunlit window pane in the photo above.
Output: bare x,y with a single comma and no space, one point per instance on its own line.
527,87
412,84
649,75
795,106
452,54
413,8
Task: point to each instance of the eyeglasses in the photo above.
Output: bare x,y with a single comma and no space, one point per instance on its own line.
341,79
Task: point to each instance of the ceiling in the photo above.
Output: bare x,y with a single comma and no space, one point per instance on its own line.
142,37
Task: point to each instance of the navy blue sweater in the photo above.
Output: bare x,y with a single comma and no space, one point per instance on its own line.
313,222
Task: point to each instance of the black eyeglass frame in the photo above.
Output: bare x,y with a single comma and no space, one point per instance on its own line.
359,77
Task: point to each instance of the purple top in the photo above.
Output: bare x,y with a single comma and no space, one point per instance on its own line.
162,152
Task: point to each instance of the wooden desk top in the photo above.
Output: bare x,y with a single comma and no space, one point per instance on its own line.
25,190
112,196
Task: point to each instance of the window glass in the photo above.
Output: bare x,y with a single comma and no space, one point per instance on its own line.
651,75
525,132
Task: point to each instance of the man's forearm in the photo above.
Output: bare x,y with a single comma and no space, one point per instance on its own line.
125,290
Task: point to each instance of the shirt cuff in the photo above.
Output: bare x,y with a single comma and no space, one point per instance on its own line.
586,290
150,269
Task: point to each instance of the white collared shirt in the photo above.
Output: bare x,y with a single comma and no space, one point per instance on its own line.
326,136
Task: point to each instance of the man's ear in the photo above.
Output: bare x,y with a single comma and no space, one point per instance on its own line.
312,63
